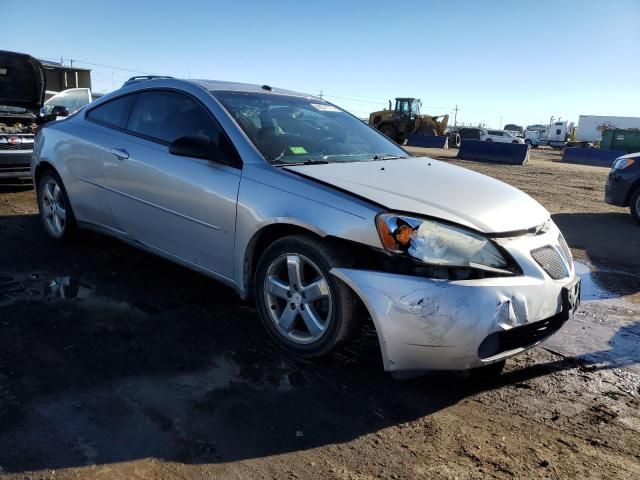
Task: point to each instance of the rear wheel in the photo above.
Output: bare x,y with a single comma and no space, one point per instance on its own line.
634,205
488,140
304,308
55,210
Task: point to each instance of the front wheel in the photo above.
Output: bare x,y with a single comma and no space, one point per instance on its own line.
304,308
54,207
389,131
634,205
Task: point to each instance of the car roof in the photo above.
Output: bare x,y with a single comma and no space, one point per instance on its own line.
219,85
210,86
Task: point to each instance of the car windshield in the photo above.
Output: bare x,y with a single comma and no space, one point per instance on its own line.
295,130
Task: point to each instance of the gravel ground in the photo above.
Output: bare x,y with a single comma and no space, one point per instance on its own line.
116,364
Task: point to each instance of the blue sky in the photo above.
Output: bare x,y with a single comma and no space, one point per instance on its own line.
521,62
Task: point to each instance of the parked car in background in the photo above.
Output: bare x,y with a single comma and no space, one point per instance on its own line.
623,184
319,218
73,99
472,133
501,136
515,130
22,90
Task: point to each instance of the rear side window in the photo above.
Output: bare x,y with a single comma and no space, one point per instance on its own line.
166,116
114,113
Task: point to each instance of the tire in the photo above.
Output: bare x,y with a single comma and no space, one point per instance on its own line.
515,141
54,207
389,131
528,142
488,140
634,205
287,313
424,130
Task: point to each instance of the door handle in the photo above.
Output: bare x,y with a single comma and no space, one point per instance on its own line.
121,153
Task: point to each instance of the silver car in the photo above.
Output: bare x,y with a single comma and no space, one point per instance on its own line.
319,218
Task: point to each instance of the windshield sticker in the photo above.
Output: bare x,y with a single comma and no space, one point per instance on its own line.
324,108
298,150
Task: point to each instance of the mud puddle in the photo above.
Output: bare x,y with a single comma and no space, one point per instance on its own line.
606,329
35,285
603,283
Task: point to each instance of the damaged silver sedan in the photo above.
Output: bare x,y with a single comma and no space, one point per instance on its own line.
319,218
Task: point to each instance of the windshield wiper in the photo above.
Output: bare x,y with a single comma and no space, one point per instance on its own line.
386,156
306,162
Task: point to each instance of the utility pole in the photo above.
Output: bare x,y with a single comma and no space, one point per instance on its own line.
455,117
320,95
71,62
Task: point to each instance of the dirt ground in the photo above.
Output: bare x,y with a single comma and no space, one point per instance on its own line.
115,364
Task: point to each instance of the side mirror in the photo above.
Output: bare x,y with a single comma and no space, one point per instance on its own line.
196,146
59,111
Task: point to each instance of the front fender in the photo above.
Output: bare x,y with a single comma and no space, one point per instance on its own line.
269,196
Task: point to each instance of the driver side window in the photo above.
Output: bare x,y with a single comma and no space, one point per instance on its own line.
165,116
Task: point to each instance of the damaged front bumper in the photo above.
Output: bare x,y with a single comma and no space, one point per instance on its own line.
430,324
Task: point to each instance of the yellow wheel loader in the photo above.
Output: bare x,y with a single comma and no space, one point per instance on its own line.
406,120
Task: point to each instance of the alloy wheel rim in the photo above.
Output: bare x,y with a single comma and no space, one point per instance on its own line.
298,298
53,207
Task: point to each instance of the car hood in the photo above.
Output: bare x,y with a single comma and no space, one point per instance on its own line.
427,187
22,81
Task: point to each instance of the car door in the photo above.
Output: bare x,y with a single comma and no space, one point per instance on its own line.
183,207
87,160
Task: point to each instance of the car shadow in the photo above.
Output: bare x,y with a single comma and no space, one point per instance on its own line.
612,238
108,354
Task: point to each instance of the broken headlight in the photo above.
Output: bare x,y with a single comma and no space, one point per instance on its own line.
437,243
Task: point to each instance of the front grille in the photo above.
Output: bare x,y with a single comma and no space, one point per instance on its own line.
564,249
551,262
19,146
14,167
520,337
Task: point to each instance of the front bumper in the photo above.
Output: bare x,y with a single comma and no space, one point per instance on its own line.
429,324
15,163
618,186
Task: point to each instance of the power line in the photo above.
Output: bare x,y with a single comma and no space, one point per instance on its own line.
109,66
